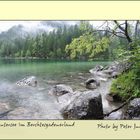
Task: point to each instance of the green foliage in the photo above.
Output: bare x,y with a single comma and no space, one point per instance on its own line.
85,26
88,46
17,54
28,53
117,48
126,86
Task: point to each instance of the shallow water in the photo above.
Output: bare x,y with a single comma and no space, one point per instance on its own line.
35,102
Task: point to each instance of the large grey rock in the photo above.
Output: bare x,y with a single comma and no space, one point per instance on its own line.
66,99
133,111
88,105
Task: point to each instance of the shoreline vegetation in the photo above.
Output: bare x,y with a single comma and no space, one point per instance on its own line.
51,59
117,41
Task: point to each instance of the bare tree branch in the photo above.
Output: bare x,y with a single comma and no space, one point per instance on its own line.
119,26
136,28
111,32
102,25
125,30
125,103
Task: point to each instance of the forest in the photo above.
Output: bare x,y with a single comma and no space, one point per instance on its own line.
55,44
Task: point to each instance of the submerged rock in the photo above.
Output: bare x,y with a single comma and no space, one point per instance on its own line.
52,82
29,81
133,110
88,105
21,113
4,110
4,107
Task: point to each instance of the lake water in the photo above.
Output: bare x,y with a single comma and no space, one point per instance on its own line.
35,102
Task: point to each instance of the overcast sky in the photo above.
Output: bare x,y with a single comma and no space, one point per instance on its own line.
5,25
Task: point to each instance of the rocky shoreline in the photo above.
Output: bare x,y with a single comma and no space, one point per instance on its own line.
89,105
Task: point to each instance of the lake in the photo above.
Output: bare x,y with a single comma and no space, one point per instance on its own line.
35,102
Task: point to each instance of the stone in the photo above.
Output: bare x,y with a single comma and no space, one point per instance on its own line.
113,97
4,107
96,68
88,105
20,113
109,98
29,81
115,74
66,99
61,89
133,110
92,83
4,110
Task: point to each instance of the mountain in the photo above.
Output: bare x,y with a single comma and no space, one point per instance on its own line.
21,31
13,33
58,24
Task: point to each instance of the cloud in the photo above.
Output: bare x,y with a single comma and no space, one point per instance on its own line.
28,25
34,25
5,25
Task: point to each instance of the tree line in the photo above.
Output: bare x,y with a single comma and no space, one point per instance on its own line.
45,45
65,42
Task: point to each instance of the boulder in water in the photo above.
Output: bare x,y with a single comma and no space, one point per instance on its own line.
92,83
96,68
88,105
4,110
21,113
61,89
29,81
4,107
